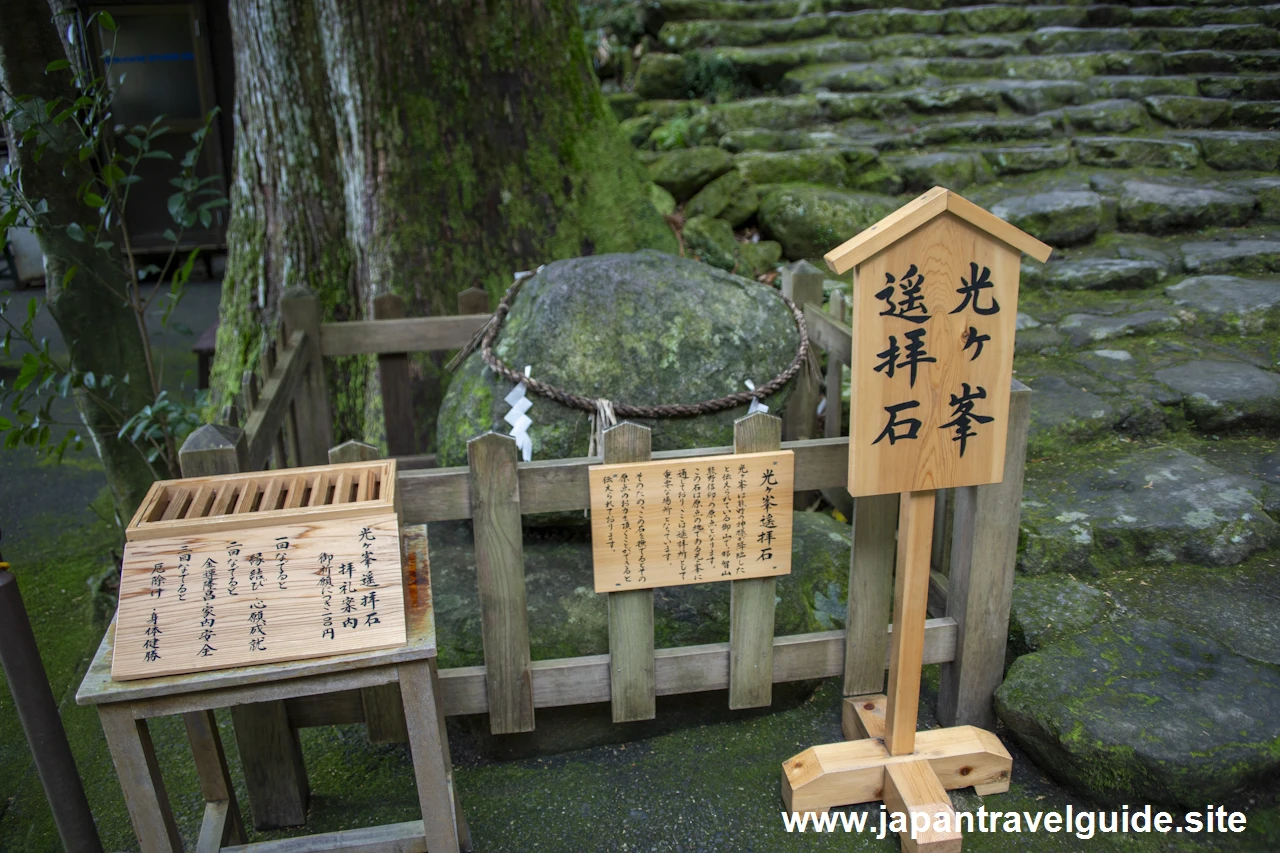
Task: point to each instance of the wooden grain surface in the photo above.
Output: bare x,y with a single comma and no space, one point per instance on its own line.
504,613
413,334
910,600
905,433
912,788
242,599
752,601
631,670
639,511
875,529
394,379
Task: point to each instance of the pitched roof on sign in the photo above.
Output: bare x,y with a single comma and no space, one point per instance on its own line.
915,213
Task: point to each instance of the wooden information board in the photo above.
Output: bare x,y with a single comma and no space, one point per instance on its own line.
696,520
934,313
253,569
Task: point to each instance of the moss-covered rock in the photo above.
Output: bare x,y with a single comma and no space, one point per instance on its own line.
1162,208
814,166
644,328
1110,116
1239,150
729,197
1229,303
1220,393
711,241
1062,217
1155,506
662,75
1144,710
1031,158
954,170
567,618
1180,111
683,173
1124,152
1049,608
768,113
663,201
809,221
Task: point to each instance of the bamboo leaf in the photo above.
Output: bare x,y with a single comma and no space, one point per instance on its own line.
107,22
57,65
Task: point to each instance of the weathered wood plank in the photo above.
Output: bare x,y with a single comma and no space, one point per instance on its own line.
980,587
875,526
393,377
432,766
690,669
631,679
910,600
215,829
274,772
495,506
474,300
300,311
384,714
211,450
134,756
558,485
215,778
414,334
829,333
408,837
751,601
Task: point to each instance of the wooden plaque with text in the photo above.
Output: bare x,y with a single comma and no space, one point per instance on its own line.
935,302
260,568
695,520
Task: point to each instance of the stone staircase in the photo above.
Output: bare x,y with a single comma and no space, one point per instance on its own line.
1143,143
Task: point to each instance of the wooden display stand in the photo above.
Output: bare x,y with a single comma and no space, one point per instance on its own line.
935,301
125,706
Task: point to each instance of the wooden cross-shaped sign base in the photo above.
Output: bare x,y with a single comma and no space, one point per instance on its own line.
935,298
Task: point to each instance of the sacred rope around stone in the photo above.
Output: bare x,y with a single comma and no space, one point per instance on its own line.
670,410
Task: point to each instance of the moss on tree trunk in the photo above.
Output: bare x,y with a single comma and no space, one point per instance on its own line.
414,148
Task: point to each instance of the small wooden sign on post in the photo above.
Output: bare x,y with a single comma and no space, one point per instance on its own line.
696,520
260,568
935,302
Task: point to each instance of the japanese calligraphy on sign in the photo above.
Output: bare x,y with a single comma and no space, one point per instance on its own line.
695,520
935,302
343,594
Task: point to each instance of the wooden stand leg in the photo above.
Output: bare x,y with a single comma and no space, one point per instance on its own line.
910,601
135,758
222,815
863,717
384,714
443,824
274,773
913,789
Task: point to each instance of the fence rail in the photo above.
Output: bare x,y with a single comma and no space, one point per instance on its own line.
288,424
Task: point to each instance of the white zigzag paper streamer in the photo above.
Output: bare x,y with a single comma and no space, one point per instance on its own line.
519,418
756,405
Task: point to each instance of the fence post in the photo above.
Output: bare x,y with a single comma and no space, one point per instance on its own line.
393,377
300,311
474,300
383,710
980,589
751,601
866,643
504,613
38,713
802,283
632,682
270,751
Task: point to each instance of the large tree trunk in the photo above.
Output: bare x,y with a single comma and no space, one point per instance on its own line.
101,332
417,148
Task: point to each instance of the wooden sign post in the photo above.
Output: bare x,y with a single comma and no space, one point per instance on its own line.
935,301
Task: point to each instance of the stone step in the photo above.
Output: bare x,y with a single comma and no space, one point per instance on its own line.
872,76
1140,12
870,24
1062,29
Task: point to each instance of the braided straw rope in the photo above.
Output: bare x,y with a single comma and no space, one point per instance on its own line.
672,410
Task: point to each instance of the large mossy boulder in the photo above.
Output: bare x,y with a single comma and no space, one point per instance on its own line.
567,618
645,328
809,221
1138,710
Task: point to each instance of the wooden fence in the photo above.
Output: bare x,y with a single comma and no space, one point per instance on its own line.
287,423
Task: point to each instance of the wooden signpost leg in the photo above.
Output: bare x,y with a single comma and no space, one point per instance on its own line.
910,600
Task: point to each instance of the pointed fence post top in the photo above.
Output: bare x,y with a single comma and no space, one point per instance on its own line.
757,433
352,451
627,442
214,449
